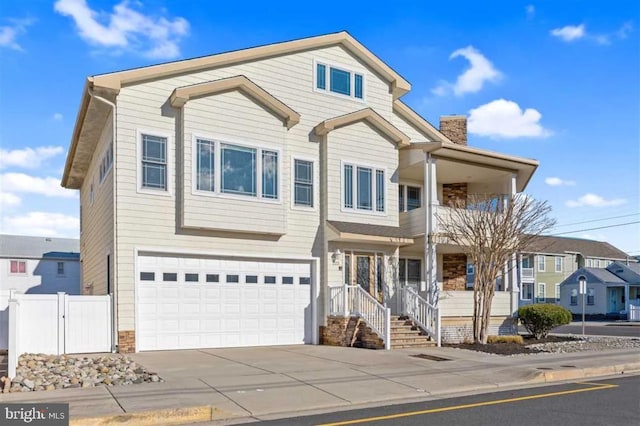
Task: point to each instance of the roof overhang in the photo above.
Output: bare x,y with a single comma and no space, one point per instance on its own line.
182,95
523,168
367,115
367,234
398,85
413,118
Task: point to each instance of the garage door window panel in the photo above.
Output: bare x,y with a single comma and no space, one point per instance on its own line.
169,277
233,279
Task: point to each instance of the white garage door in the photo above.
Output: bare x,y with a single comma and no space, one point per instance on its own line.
189,303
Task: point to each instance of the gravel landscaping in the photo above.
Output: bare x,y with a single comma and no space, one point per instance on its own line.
37,372
554,344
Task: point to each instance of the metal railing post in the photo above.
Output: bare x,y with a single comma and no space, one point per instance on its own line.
346,300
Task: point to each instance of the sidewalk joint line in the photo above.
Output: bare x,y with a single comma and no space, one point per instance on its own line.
115,399
238,362
227,397
315,387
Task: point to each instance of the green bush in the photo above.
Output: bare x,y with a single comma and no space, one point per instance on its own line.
539,319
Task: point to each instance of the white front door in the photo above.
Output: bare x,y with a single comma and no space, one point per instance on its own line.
188,303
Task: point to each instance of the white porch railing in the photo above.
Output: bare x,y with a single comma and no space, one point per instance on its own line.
526,272
634,313
353,300
424,314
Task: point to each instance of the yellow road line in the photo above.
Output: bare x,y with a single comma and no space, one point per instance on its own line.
596,386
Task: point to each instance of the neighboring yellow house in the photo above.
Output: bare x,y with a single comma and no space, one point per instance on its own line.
227,200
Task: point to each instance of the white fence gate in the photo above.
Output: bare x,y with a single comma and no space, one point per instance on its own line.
54,324
634,312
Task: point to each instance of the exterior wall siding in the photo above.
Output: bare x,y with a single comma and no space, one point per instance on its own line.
96,237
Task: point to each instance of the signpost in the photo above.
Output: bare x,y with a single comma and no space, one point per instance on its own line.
583,291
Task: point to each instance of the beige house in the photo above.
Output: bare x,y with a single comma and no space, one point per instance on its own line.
253,197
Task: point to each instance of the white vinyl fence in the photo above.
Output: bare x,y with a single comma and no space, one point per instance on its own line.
54,324
634,312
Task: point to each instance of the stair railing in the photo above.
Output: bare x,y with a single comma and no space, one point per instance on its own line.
422,313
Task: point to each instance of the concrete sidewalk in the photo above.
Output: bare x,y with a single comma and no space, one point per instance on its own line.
268,381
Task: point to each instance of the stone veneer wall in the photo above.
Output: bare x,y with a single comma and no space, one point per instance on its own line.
453,193
455,128
460,330
454,272
339,331
126,341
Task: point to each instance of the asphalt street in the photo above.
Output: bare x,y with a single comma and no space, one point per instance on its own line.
604,402
599,330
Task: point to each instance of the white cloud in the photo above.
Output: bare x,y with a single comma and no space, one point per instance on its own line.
42,223
624,30
28,158
505,119
481,70
126,28
556,181
8,199
531,11
57,116
569,33
9,33
593,200
23,183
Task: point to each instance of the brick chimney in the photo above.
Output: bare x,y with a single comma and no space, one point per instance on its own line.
455,128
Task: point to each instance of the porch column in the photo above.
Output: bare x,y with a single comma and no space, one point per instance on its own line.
627,302
431,228
516,258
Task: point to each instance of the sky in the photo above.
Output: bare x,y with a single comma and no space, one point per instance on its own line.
555,81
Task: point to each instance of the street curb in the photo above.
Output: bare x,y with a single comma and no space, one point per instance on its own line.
583,373
175,416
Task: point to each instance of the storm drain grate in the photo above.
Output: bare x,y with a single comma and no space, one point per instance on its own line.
430,357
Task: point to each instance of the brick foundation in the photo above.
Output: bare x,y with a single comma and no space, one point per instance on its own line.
460,329
454,272
455,128
454,194
340,331
126,342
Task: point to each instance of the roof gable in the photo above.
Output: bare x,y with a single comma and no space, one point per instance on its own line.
369,116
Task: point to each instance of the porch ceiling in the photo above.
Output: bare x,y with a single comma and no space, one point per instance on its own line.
366,233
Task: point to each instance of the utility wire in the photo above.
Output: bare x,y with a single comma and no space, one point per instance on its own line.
597,220
593,229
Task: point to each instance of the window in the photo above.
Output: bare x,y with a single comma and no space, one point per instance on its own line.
589,263
409,271
213,278
527,291
541,263
287,280
147,276
558,264
60,268
347,269
304,280
269,279
557,292
205,160
409,197
233,278
303,183
106,162
251,279
526,262
18,267
169,276
542,292
154,162
574,297
191,278
369,192
591,297
222,168
341,81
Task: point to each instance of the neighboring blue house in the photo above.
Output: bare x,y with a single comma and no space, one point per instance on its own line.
610,290
39,265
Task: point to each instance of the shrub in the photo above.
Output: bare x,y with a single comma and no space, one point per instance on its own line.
506,339
539,319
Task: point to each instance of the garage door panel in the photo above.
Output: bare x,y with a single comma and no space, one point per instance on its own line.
212,312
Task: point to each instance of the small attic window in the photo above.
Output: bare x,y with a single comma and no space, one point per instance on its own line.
338,80
619,271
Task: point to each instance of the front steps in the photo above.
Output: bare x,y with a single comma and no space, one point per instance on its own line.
404,334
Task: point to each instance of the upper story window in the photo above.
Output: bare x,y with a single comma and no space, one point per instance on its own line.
408,197
303,183
153,162
18,267
363,188
558,264
541,261
60,268
338,80
224,168
106,162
